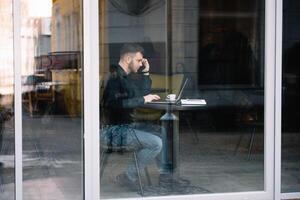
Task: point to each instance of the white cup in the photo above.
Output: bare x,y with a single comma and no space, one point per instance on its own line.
171,97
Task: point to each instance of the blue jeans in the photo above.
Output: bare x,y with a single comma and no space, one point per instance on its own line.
148,140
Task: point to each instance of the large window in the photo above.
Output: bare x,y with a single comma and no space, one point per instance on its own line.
210,54
51,50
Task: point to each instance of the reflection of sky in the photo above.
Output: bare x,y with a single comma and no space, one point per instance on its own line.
40,8
36,9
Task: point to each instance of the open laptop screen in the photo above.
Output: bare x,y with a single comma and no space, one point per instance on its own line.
178,96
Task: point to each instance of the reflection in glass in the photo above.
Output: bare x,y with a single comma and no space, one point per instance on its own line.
290,98
51,95
217,147
7,135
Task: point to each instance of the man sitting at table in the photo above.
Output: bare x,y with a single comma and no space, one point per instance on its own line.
122,94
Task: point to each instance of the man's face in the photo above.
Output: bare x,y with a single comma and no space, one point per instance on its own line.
136,62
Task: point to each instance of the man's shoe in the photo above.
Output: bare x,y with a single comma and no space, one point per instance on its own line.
124,181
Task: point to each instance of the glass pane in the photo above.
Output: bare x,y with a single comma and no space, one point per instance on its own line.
290,98
7,133
52,99
205,61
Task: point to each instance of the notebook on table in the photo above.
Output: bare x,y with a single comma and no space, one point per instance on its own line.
193,102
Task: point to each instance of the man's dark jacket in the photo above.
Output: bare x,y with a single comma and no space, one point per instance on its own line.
122,94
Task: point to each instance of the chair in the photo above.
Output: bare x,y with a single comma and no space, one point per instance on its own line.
29,97
106,150
38,93
249,120
159,83
46,95
176,82
27,101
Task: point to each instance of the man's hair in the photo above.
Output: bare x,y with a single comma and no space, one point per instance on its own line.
131,48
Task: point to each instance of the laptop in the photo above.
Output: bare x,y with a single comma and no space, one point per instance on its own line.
177,100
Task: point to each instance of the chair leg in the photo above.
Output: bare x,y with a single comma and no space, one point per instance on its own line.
103,161
238,144
148,176
251,143
138,173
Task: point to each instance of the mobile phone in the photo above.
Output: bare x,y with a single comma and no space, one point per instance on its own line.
140,70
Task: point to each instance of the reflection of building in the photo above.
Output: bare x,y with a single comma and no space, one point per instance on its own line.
65,50
35,35
50,34
66,23
6,48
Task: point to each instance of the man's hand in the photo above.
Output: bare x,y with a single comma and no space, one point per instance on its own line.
146,65
151,97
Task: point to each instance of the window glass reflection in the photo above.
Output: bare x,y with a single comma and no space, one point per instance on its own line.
51,49
7,135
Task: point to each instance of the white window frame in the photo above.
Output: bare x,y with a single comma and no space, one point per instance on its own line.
277,184
91,99
18,99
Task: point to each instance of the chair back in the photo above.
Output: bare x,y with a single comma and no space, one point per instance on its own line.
176,82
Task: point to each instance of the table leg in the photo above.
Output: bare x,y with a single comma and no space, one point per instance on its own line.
170,122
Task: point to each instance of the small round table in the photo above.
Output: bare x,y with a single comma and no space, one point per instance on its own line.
170,121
